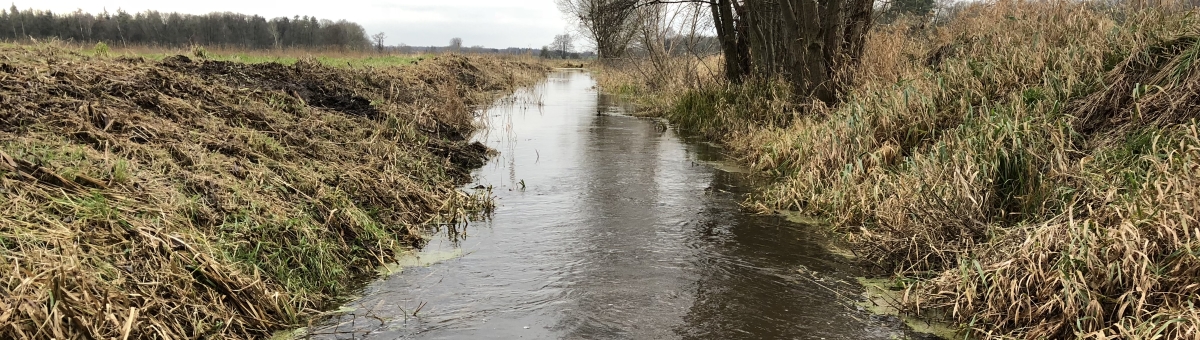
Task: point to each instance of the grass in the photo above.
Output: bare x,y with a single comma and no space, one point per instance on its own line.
196,197
331,58
1027,168
291,59
336,59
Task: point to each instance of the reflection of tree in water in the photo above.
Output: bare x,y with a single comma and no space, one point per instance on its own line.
612,104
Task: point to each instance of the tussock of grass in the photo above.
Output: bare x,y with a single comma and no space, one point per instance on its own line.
200,198
1029,167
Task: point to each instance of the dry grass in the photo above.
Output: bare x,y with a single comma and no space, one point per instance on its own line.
1030,167
207,199
656,86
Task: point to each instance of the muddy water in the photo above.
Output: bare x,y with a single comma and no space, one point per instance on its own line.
610,227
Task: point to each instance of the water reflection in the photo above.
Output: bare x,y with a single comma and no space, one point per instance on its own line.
609,228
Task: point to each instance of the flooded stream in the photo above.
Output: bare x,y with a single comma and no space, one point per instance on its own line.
611,227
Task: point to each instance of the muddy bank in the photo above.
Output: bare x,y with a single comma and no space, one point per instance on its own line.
191,198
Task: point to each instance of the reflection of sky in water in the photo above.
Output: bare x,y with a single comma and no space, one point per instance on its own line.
622,232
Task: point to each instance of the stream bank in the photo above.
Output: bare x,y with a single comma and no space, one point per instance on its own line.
193,198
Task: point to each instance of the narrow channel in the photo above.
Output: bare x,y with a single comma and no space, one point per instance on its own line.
611,227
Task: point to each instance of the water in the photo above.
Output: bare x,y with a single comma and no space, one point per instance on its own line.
611,227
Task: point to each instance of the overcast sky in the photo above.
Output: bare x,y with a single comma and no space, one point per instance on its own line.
491,23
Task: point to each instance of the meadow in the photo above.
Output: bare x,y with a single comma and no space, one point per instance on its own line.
327,56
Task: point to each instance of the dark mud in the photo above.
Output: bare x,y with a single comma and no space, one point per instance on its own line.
315,84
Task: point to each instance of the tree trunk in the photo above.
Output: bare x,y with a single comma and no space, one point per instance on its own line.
813,44
809,71
737,61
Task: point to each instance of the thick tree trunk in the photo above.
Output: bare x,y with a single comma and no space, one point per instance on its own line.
813,44
810,70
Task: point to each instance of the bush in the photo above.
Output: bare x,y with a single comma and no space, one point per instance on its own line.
101,50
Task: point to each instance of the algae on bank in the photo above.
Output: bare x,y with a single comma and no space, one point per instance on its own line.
879,298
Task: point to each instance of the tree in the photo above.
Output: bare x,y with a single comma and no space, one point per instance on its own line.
814,44
379,38
456,44
609,24
563,44
811,43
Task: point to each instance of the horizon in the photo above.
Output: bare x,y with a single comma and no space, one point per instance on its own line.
490,24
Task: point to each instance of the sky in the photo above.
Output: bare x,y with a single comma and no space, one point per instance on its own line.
490,23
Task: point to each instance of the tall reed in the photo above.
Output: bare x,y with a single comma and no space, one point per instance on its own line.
1030,167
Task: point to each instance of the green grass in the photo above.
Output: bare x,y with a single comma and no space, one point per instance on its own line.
714,111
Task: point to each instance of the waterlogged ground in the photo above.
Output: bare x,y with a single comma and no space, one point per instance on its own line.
610,227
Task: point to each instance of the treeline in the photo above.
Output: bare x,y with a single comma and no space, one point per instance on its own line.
175,30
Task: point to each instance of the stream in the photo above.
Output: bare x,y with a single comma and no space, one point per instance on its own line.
612,227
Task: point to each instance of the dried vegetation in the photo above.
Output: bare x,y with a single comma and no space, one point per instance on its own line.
1030,168
189,199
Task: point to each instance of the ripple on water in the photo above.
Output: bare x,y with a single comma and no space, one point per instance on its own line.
608,227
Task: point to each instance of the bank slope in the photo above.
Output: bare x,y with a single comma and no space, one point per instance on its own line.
1029,168
190,198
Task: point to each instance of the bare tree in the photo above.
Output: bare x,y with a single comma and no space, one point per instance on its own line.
456,44
379,38
609,24
563,44
665,32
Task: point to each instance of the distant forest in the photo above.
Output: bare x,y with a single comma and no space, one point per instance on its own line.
178,30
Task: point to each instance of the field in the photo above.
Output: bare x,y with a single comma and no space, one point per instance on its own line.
1029,169
327,57
222,195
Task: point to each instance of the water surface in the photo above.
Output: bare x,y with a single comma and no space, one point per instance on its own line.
612,227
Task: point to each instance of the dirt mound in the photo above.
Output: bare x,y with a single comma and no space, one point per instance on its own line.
315,84
194,198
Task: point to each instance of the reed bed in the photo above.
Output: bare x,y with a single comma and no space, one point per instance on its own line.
190,198
1030,168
